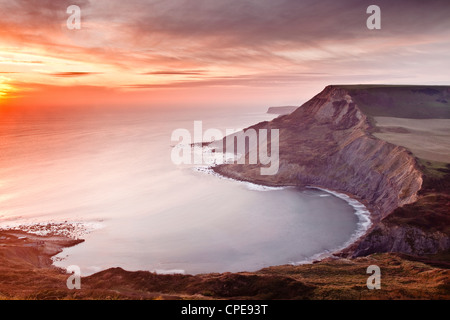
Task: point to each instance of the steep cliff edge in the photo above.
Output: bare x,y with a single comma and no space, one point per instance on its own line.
327,142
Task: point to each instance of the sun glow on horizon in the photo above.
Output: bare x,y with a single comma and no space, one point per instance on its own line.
5,88
174,51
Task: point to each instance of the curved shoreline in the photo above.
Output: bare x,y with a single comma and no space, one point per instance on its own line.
76,229
360,210
363,226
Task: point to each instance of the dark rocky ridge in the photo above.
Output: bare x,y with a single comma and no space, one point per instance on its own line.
327,142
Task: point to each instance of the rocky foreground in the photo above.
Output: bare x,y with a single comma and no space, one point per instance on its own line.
26,273
328,142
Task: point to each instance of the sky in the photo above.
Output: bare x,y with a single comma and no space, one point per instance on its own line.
213,52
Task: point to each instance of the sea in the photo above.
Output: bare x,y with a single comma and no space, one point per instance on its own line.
106,175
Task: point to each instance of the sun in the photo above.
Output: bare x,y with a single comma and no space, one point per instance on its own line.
5,88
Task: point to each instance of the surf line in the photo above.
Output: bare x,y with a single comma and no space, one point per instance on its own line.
364,224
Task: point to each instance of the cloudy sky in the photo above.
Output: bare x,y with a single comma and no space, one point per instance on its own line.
252,52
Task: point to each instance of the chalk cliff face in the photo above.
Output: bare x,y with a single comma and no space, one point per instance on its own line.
327,143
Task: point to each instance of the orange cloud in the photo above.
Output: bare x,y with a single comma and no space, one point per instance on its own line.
178,45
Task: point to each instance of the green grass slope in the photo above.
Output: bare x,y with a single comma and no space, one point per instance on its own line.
402,101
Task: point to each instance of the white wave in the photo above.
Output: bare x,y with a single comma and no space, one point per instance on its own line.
260,187
70,229
208,155
364,223
248,185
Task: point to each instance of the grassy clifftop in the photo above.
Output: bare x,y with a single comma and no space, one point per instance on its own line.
401,101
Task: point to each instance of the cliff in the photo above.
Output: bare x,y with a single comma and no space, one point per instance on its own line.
328,142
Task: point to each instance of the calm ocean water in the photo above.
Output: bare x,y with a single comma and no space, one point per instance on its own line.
109,172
